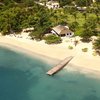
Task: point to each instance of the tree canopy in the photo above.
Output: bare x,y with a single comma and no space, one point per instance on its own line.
18,14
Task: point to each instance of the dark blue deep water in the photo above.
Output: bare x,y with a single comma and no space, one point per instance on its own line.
23,78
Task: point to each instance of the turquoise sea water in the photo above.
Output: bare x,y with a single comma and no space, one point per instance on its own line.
23,78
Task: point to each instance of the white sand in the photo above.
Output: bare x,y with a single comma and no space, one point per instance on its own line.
58,51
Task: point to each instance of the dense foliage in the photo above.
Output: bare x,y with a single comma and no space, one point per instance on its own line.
15,17
18,14
83,2
51,39
85,49
97,45
89,29
65,2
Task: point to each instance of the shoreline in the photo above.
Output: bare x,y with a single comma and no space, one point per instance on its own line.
44,58
82,62
92,73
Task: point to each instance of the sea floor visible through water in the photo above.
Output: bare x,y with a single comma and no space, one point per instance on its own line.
24,78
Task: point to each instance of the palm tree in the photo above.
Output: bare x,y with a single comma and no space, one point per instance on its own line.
74,15
56,18
88,29
59,16
96,45
73,26
95,10
73,12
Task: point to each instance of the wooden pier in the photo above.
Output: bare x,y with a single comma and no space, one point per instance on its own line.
59,66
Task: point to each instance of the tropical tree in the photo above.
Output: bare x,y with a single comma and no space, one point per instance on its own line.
85,15
83,3
58,17
88,29
41,22
65,2
51,39
7,2
86,35
96,10
28,2
10,20
15,18
73,12
96,45
73,26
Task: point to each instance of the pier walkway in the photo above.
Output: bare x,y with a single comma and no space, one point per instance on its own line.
59,66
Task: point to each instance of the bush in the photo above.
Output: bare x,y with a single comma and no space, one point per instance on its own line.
52,39
70,47
94,54
85,49
96,45
86,35
78,31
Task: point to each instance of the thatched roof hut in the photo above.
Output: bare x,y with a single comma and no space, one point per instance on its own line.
62,30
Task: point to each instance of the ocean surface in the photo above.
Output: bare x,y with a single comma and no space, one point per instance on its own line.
24,78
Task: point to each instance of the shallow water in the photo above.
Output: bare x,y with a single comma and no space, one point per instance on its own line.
23,78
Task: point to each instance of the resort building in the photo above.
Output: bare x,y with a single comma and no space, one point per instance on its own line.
61,30
49,4
81,8
28,29
52,5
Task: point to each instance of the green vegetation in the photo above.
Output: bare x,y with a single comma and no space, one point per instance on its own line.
85,49
83,2
65,2
89,29
18,14
70,47
14,18
94,54
96,45
51,39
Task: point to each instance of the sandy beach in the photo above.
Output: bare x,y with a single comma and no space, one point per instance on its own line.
82,60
